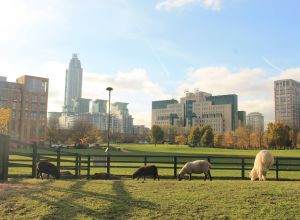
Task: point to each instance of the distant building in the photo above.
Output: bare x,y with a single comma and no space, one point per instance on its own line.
287,102
141,130
241,119
81,105
28,100
78,108
198,109
121,120
73,83
99,105
255,121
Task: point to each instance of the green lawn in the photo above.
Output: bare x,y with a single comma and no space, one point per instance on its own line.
165,164
165,199
170,149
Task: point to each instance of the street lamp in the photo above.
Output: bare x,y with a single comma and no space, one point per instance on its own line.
109,89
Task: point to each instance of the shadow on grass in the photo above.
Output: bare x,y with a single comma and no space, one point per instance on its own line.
76,202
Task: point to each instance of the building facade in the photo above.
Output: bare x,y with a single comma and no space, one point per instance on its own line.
73,83
287,103
28,101
121,121
242,119
255,121
197,109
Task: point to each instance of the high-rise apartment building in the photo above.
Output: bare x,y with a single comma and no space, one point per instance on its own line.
28,100
255,121
73,83
287,102
198,109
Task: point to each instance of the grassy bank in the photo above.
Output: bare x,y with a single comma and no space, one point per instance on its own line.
165,199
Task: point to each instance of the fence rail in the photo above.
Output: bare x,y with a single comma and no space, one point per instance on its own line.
80,163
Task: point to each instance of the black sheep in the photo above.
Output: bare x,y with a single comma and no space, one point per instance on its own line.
47,168
146,171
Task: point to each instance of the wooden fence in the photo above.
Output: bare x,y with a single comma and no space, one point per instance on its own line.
81,165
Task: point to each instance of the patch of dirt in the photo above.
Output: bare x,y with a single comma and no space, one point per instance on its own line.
16,186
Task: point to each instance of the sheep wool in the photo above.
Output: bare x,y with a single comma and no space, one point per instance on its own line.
262,163
197,166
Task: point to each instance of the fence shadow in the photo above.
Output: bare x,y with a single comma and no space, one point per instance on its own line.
68,205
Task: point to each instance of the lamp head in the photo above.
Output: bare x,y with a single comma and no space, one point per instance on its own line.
109,88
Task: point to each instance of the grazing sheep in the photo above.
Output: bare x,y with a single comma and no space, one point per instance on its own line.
197,166
263,162
146,171
47,168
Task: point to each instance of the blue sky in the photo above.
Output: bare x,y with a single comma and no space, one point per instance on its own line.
155,49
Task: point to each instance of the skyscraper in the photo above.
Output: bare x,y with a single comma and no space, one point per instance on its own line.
287,102
73,83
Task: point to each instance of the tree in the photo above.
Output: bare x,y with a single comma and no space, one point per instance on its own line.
228,139
278,135
243,137
180,139
157,134
52,132
293,138
218,139
194,137
207,139
5,116
84,132
298,140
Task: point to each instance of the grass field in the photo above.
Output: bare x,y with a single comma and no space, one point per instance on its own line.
166,163
165,199
171,149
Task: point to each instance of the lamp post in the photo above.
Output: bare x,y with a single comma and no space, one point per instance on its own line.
109,89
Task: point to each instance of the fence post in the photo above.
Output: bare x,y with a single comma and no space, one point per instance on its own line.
89,166
34,159
4,142
277,169
145,160
108,164
79,166
76,166
58,154
243,168
175,166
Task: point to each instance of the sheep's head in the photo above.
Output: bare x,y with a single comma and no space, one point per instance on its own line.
253,175
135,174
179,177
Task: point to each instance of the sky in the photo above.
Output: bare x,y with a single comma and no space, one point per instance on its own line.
155,49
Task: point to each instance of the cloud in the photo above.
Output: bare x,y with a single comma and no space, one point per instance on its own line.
18,18
169,5
292,73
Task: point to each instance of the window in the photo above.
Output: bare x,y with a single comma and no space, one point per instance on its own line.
43,99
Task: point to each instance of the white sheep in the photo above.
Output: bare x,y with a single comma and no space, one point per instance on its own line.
197,166
263,162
